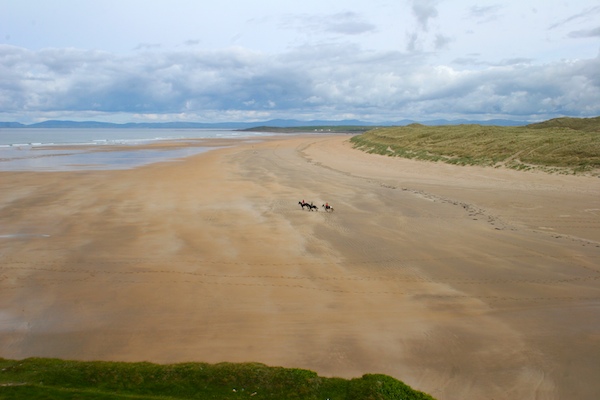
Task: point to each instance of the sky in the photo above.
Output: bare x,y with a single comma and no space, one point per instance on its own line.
244,61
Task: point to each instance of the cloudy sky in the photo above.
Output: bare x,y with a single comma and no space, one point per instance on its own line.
240,60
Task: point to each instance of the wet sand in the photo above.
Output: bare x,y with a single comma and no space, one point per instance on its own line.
464,282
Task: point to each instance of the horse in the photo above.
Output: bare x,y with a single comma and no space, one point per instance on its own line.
327,207
312,207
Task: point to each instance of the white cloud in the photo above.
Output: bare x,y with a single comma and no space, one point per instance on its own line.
325,82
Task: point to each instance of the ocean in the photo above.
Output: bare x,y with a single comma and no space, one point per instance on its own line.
38,149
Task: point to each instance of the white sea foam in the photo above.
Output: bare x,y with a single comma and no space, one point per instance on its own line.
42,136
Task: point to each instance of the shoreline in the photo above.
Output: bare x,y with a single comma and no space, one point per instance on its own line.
107,156
463,282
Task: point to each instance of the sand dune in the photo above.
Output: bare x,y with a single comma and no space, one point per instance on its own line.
464,282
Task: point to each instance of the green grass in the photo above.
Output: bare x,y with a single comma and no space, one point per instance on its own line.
564,145
50,379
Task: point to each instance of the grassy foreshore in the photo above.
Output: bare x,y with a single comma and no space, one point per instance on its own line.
37,378
564,145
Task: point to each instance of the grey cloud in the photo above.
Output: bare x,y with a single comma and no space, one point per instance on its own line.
512,62
485,13
192,42
585,33
473,60
467,61
349,23
328,81
419,39
424,10
412,40
147,46
441,41
582,15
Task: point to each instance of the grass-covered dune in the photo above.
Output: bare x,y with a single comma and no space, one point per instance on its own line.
563,145
49,379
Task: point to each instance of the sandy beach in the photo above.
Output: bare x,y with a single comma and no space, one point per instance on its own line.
463,282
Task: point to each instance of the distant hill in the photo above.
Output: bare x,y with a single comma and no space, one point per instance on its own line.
133,125
11,125
280,123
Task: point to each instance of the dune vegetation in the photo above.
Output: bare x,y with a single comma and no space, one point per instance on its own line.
50,379
563,145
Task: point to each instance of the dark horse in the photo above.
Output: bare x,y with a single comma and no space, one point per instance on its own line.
327,207
305,204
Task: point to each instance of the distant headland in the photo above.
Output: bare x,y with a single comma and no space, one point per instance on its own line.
280,123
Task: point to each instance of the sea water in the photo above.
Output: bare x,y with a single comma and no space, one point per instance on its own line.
39,149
